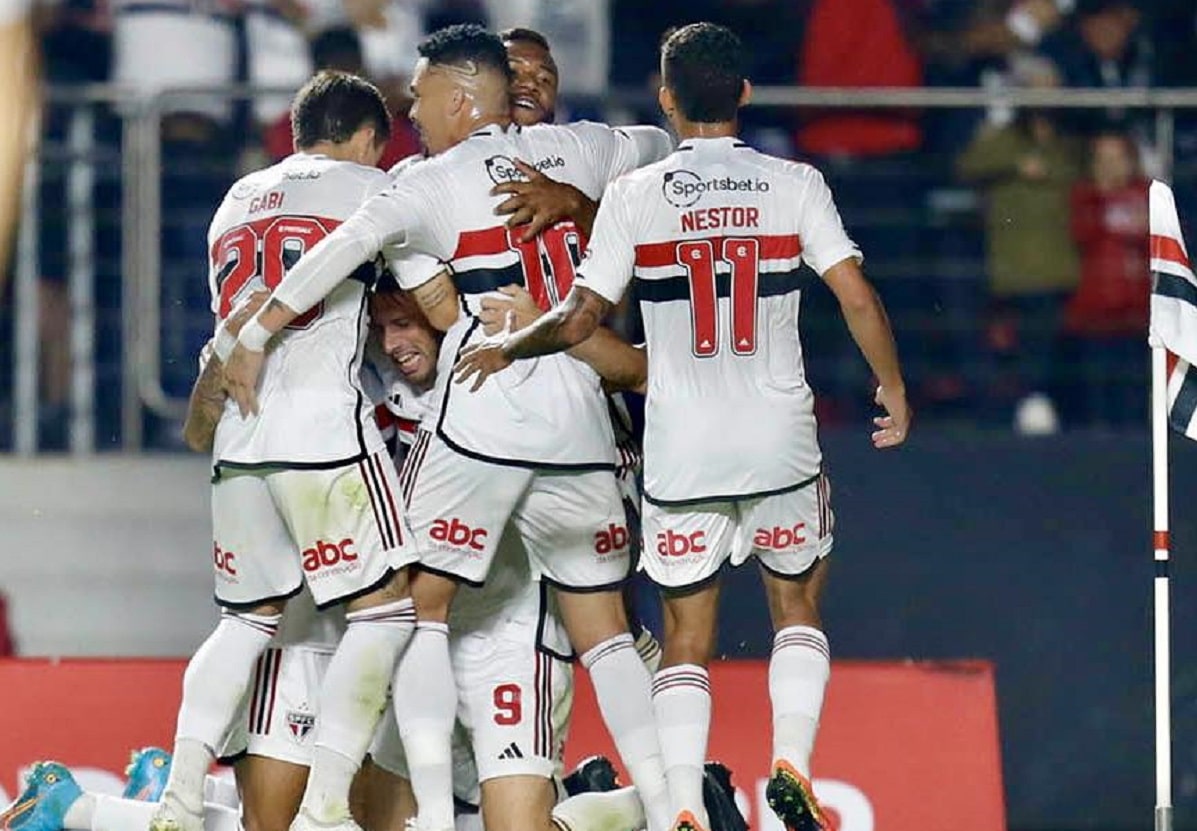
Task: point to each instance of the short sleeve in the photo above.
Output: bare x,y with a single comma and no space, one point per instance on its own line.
824,240
610,151
606,268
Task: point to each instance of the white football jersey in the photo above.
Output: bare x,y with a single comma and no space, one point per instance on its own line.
312,409
714,236
548,413
511,599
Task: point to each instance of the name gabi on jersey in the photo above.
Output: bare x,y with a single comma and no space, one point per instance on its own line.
266,202
705,219
683,188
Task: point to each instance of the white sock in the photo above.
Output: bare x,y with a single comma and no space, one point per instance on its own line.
425,701
610,811
188,769
353,696
222,790
649,650
115,814
682,701
78,816
218,675
624,691
112,813
213,685
798,673
218,818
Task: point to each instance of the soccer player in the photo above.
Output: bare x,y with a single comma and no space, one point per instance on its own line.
714,236
539,451
304,492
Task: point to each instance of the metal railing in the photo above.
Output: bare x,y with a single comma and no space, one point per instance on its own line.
142,385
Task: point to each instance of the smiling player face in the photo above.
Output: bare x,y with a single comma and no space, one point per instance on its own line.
534,90
406,336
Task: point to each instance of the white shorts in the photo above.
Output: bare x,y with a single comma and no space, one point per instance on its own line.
339,529
513,707
572,523
277,718
685,545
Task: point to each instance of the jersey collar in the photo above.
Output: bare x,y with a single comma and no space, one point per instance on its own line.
495,130
722,143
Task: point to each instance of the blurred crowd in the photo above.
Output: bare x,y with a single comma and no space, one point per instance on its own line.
1009,246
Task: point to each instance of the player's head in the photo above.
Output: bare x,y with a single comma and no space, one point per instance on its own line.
341,115
534,90
702,75
461,81
405,335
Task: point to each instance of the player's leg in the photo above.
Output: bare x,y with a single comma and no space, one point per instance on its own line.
647,646
356,547
575,530
458,509
382,801
684,549
516,702
792,536
271,790
256,570
273,742
682,695
383,798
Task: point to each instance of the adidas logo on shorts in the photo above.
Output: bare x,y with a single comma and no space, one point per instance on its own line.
512,751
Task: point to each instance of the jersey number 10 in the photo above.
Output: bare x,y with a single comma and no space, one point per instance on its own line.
265,248
698,258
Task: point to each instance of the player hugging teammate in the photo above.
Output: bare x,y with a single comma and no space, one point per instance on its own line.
506,520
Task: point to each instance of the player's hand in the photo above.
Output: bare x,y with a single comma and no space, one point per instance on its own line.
895,426
240,378
244,311
536,203
494,310
484,359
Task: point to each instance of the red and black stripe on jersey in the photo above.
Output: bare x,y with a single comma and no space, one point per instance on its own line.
660,255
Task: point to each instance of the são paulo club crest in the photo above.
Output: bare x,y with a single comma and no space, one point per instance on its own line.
300,724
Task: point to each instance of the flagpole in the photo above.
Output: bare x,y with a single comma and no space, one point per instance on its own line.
1161,544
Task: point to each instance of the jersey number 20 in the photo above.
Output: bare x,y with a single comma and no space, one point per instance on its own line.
698,258
265,248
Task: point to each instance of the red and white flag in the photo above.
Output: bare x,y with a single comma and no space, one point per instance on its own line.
1174,308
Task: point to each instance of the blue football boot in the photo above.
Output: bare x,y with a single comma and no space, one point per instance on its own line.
49,791
146,774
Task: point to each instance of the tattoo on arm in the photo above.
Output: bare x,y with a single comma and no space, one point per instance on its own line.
438,300
204,408
567,325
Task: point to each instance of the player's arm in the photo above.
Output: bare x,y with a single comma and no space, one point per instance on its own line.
382,220
835,258
206,403
870,328
606,271
540,201
429,283
204,406
620,365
